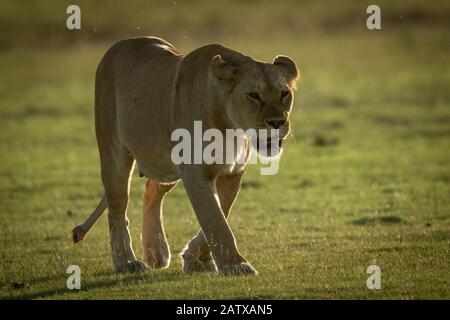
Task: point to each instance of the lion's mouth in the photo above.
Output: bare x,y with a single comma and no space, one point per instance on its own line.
270,147
274,143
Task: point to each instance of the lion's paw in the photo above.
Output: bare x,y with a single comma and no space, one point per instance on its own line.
191,265
131,266
158,258
239,269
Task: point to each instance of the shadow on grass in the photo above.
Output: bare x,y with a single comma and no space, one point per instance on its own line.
322,141
377,220
251,184
304,184
98,281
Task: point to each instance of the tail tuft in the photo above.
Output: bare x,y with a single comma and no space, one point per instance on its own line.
78,234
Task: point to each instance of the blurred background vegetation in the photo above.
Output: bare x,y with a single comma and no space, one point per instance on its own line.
365,179
41,22
328,39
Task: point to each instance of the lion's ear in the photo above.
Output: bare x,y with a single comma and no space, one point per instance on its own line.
221,69
289,68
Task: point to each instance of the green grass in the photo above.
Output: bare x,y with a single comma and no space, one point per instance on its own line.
365,179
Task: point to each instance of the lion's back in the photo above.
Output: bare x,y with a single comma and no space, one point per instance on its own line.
133,91
142,68
129,56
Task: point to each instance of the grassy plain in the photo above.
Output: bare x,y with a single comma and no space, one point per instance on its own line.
364,180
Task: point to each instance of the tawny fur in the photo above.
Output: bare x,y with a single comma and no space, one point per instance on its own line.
144,90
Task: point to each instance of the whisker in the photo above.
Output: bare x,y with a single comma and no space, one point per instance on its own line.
291,136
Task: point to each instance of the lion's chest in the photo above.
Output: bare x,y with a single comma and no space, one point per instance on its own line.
240,161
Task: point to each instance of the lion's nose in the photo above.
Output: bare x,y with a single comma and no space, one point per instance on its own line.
275,123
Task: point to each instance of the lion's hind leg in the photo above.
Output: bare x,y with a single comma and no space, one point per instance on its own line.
154,242
116,177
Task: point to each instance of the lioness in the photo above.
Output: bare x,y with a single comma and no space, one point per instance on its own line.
144,90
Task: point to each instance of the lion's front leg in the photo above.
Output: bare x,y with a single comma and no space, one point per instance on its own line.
197,255
205,199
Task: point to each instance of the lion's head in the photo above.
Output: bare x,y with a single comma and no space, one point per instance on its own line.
256,95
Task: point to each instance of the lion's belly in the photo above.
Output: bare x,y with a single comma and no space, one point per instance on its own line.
151,148
159,172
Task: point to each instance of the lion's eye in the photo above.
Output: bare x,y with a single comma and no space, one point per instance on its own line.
284,94
254,96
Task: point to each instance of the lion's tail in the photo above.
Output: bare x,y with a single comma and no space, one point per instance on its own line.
80,231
